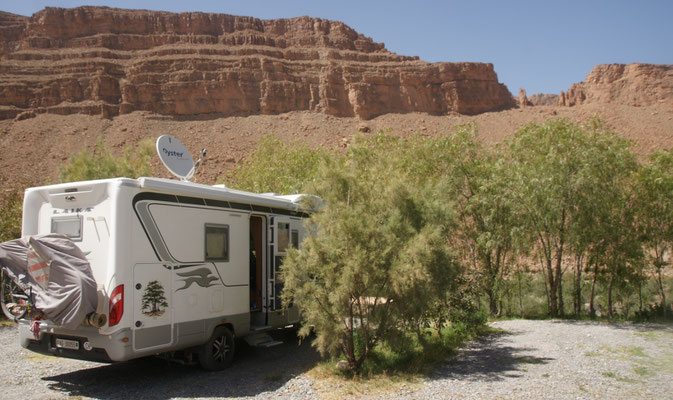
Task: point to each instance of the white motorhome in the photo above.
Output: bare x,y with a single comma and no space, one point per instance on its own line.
179,266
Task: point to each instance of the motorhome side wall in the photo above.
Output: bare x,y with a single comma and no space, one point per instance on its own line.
179,291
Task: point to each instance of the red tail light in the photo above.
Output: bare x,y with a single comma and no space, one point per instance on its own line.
116,305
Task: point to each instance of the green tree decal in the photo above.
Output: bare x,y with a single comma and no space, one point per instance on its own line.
153,298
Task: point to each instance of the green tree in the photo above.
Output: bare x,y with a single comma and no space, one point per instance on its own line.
603,215
655,208
565,174
488,221
375,258
475,179
495,227
617,249
100,164
277,167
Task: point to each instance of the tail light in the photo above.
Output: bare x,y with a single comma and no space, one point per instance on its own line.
116,305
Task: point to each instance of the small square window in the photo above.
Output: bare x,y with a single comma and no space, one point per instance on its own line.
217,243
295,238
283,236
68,226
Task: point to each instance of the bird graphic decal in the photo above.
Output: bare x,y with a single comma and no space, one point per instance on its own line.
199,276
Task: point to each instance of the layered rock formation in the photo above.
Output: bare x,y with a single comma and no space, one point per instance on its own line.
98,60
523,99
542,99
626,84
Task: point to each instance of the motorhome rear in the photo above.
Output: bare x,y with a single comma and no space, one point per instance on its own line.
178,265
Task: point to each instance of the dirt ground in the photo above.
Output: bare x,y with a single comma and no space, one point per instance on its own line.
33,149
528,360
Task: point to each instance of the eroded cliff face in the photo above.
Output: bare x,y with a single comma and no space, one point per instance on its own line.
625,84
98,60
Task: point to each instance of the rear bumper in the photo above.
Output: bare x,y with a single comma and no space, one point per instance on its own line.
46,345
102,348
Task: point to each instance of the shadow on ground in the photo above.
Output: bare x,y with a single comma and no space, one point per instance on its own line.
489,359
254,372
630,326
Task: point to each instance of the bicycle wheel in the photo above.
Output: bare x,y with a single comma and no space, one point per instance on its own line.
11,293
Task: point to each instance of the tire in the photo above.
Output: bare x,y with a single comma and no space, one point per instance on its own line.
10,293
218,352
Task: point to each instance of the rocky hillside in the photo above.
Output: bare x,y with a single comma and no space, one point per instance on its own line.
105,61
625,84
223,82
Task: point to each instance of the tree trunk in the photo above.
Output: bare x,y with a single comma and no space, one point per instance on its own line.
492,302
578,286
612,279
553,290
662,293
558,272
501,264
592,310
560,295
419,333
546,291
491,278
348,347
659,265
370,343
520,295
640,295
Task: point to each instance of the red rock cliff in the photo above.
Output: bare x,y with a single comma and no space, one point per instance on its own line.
98,60
627,84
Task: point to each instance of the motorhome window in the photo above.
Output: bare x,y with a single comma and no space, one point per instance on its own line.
295,238
68,226
217,242
283,236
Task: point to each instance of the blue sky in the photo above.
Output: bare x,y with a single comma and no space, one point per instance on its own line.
541,46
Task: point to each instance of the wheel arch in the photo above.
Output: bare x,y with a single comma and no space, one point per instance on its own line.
213,326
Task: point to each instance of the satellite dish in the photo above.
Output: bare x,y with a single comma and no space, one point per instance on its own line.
175,157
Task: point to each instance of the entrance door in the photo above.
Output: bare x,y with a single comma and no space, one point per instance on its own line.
256,262
285,234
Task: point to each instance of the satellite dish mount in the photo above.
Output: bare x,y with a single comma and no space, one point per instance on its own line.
176,157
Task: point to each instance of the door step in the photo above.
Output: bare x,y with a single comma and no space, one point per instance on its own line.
261,340
256,328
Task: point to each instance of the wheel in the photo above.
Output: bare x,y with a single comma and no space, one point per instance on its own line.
12,299
218,352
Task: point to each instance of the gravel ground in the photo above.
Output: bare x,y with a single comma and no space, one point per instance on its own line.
531,360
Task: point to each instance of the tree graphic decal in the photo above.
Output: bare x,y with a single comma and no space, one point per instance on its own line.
153,299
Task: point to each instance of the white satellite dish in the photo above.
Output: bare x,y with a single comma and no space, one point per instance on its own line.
175,157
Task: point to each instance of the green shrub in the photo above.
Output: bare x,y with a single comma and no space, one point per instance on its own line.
100,164
11,205
377,256
412,356
276,167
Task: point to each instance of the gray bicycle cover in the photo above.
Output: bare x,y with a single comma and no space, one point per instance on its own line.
57,273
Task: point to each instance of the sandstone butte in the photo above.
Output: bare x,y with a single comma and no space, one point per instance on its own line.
625,84
105,61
